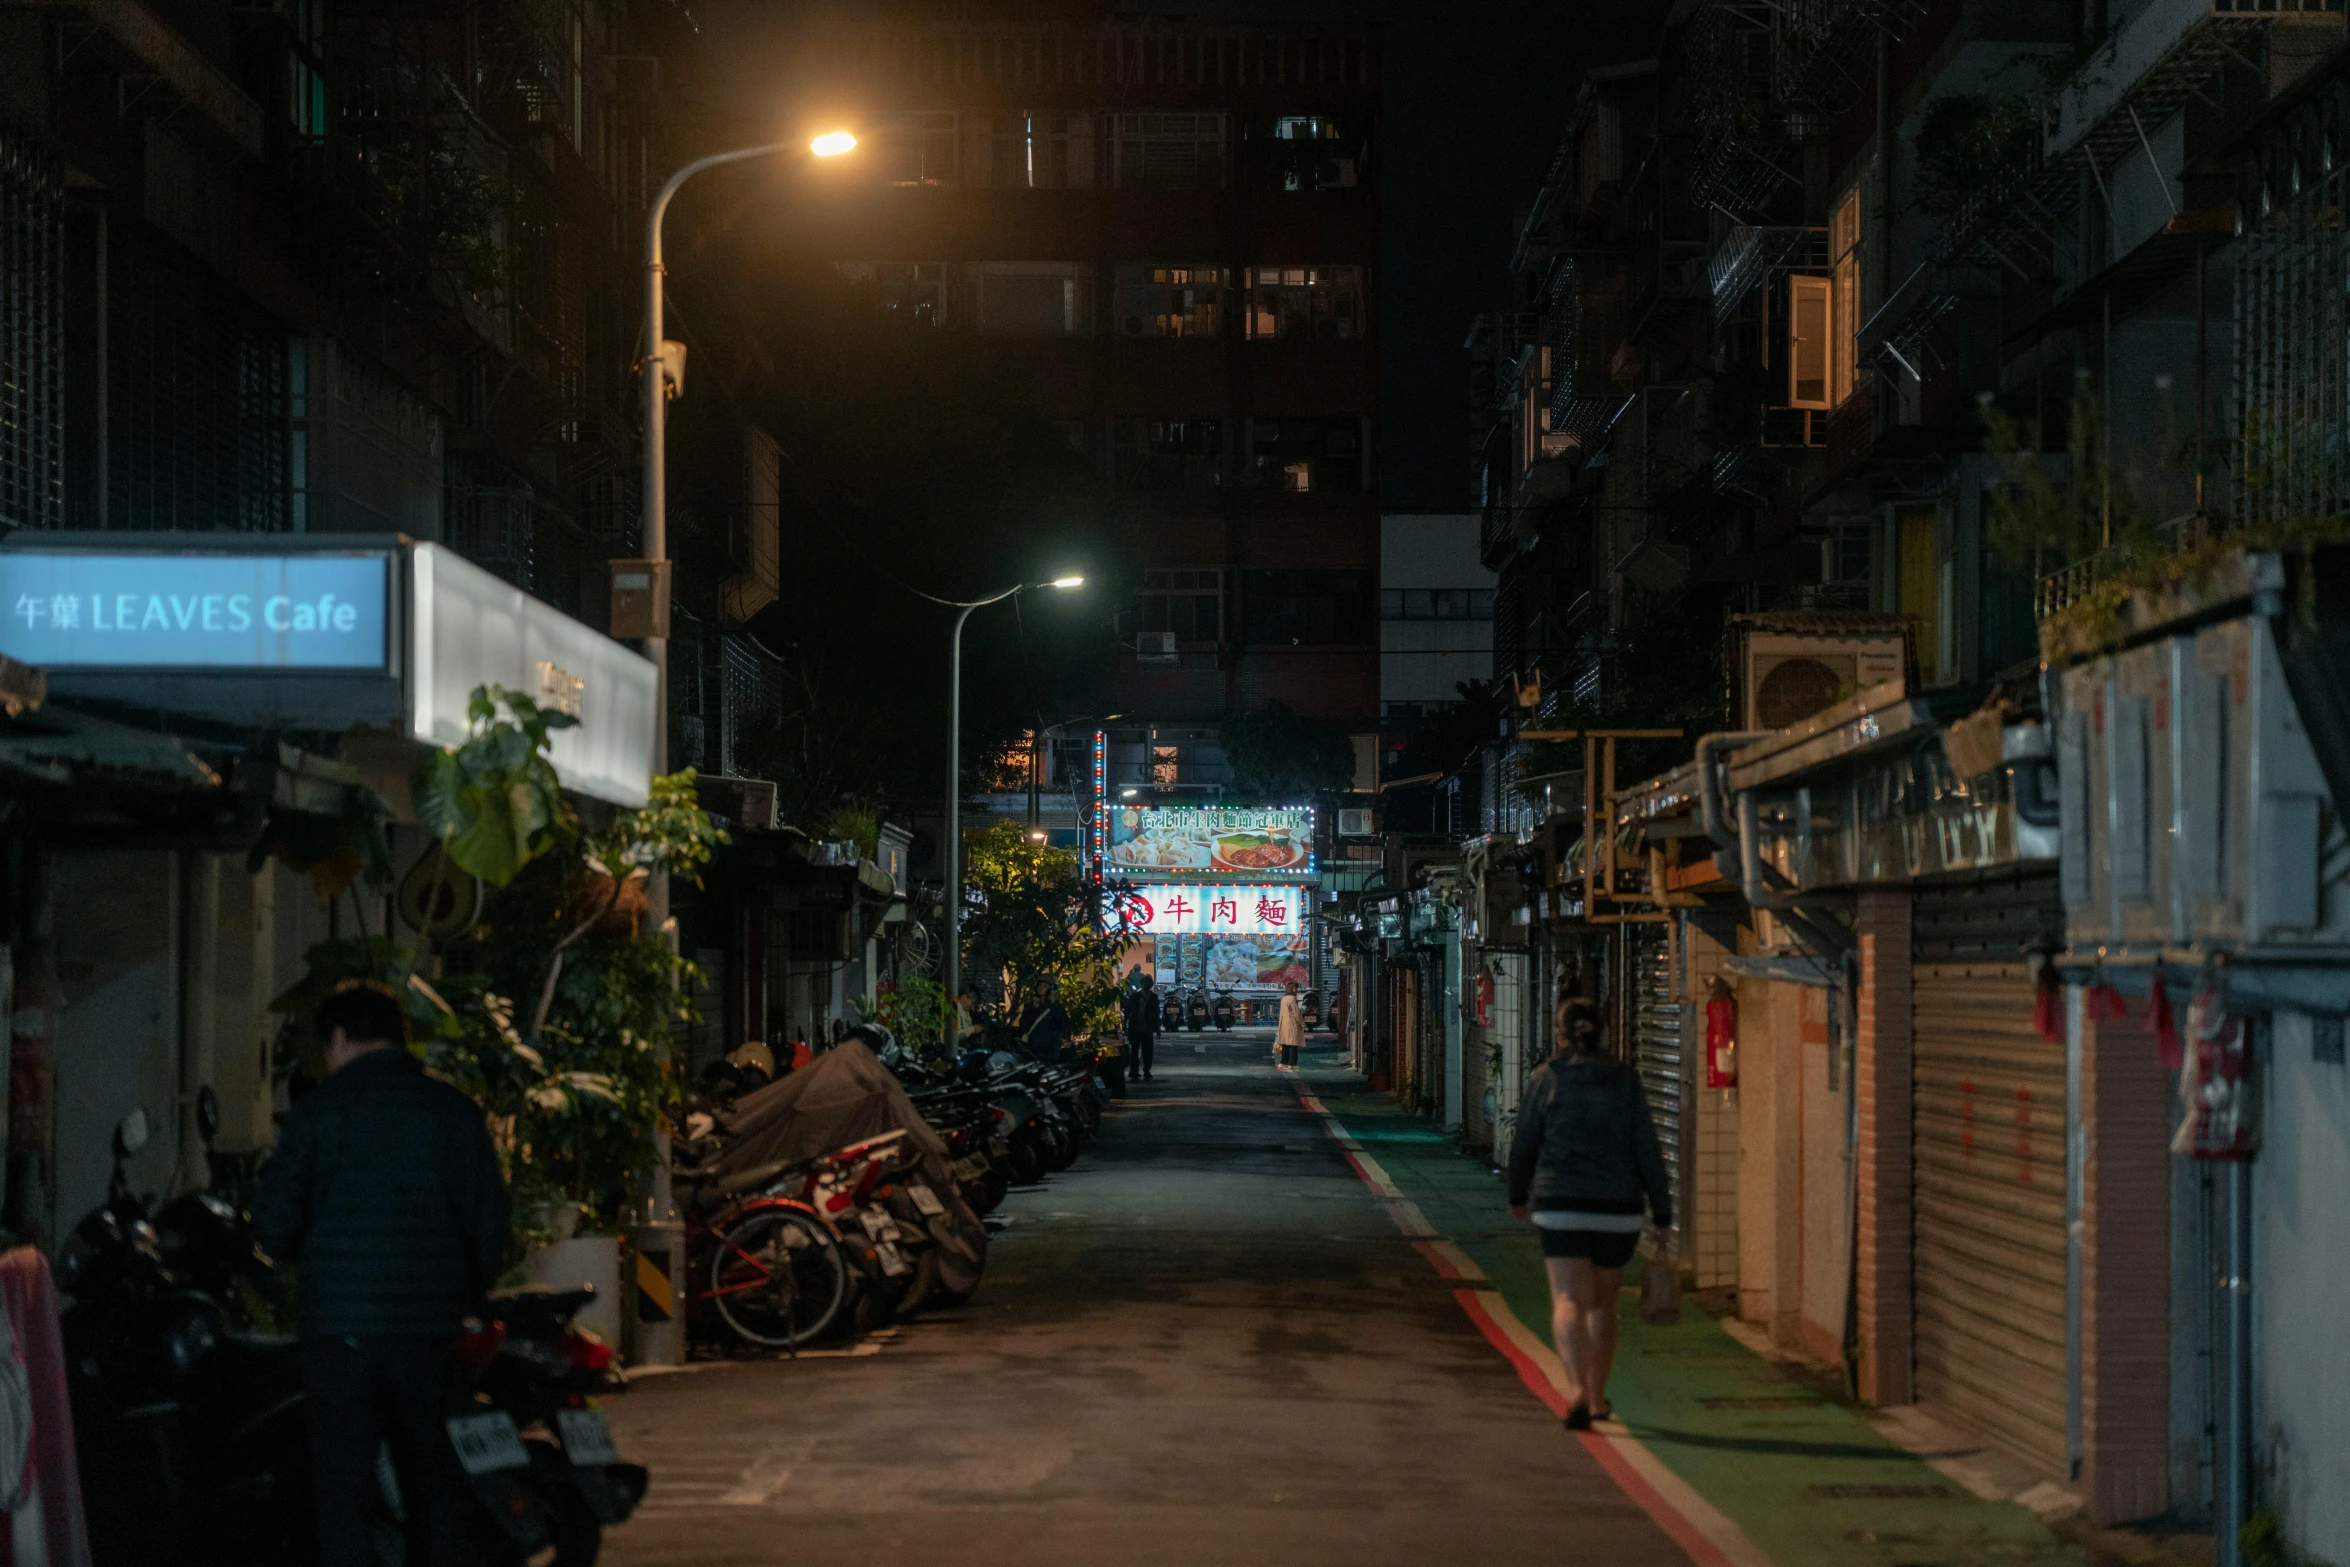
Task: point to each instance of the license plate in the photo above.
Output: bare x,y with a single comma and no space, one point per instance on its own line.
893,1261
487,1443
587,1440
925,1200
969,1169
878,1225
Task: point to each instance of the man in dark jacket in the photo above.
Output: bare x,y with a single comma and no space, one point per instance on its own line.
1142,1025
1584,1160
385,1189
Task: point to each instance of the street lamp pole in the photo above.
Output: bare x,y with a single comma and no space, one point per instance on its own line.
951,846
658,375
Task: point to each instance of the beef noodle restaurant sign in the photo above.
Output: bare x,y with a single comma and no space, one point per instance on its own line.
1173,843
1214,910
319,634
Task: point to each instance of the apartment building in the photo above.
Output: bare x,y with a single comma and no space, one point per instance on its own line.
1167,229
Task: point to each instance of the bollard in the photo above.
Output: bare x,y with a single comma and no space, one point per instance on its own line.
656,1295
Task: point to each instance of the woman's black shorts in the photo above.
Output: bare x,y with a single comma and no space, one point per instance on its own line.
1605,1248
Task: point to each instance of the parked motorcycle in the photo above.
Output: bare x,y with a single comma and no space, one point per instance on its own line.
193,1427
1226,1013
1195,1012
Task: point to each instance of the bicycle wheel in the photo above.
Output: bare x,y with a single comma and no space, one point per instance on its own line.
778,1277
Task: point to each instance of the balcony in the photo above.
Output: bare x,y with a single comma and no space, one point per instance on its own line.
2154,62
1753,252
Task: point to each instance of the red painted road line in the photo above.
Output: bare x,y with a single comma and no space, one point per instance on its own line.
1702,1551
1676,1526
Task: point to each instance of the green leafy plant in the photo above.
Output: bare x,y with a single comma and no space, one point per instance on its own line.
915,1009
1966,141
495,802
1041,926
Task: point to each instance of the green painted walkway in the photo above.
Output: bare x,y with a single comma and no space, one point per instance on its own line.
1808,1480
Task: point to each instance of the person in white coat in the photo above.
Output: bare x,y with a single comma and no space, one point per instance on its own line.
1289,1037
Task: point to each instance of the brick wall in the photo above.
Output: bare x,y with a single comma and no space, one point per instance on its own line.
2125,1271
1882,1079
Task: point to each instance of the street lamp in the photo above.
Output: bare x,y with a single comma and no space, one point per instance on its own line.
661,372
661,1234
952,846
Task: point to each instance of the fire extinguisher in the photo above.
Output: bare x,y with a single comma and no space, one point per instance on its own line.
1721,1037
2215,1083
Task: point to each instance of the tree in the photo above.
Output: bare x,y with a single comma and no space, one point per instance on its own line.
1039,923
1280,757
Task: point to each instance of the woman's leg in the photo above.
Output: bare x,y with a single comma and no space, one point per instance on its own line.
1571,1302
1605,1282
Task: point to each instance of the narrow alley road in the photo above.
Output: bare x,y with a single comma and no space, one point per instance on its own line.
1207,1343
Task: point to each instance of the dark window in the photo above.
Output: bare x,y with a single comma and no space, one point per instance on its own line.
1189,604
1436,603
1169,454
1306,456
916,149
1167,151
1307,606
913,291
1308,152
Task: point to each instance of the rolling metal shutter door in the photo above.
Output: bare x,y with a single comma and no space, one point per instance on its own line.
1989,1151
1656,1041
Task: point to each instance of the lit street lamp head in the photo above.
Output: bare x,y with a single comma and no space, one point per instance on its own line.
832,144
1066,582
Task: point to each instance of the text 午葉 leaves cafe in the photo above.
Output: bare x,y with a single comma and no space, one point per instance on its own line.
167,703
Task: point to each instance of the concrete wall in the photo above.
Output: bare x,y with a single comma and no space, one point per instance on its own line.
115,933
1770,1160
1424,661
2301,1280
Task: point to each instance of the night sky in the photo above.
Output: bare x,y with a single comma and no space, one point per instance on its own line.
1478,93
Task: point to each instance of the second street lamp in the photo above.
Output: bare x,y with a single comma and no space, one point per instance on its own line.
951,841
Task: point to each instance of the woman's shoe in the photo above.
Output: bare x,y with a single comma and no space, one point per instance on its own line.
1579,1418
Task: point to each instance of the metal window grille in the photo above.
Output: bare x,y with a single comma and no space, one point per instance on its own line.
198,416
32,336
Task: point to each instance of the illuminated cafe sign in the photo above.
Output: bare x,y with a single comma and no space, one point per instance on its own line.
68,610
1214,910
320,633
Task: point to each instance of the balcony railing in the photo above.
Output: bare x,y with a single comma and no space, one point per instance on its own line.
2154,62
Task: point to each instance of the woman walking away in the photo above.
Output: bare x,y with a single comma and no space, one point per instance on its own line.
1584,1156
1289,1036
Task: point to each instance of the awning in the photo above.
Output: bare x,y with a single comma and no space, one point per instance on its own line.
319,634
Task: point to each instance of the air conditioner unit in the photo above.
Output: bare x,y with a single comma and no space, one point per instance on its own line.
1358,823
1786,674
1155,647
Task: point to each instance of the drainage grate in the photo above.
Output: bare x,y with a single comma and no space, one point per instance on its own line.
1880,1493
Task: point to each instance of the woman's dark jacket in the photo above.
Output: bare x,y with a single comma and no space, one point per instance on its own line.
385,1188
1585,1141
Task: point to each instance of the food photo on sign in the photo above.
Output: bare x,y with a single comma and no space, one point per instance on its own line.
1162,840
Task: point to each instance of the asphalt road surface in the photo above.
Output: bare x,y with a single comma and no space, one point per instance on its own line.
1207,1343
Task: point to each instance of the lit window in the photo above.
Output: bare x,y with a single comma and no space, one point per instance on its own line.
1306,455
1303,302
1169,301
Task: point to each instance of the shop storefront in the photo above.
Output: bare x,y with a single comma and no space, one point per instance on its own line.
201,686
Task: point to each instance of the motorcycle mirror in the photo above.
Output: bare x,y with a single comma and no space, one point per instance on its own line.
131,1135
207,1114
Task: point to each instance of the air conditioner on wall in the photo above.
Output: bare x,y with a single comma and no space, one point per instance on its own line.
1362,823
1785,674
1155,647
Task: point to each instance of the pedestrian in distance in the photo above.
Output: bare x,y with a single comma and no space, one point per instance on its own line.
1142,1026
1289,1033
385,1188
1583,1163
